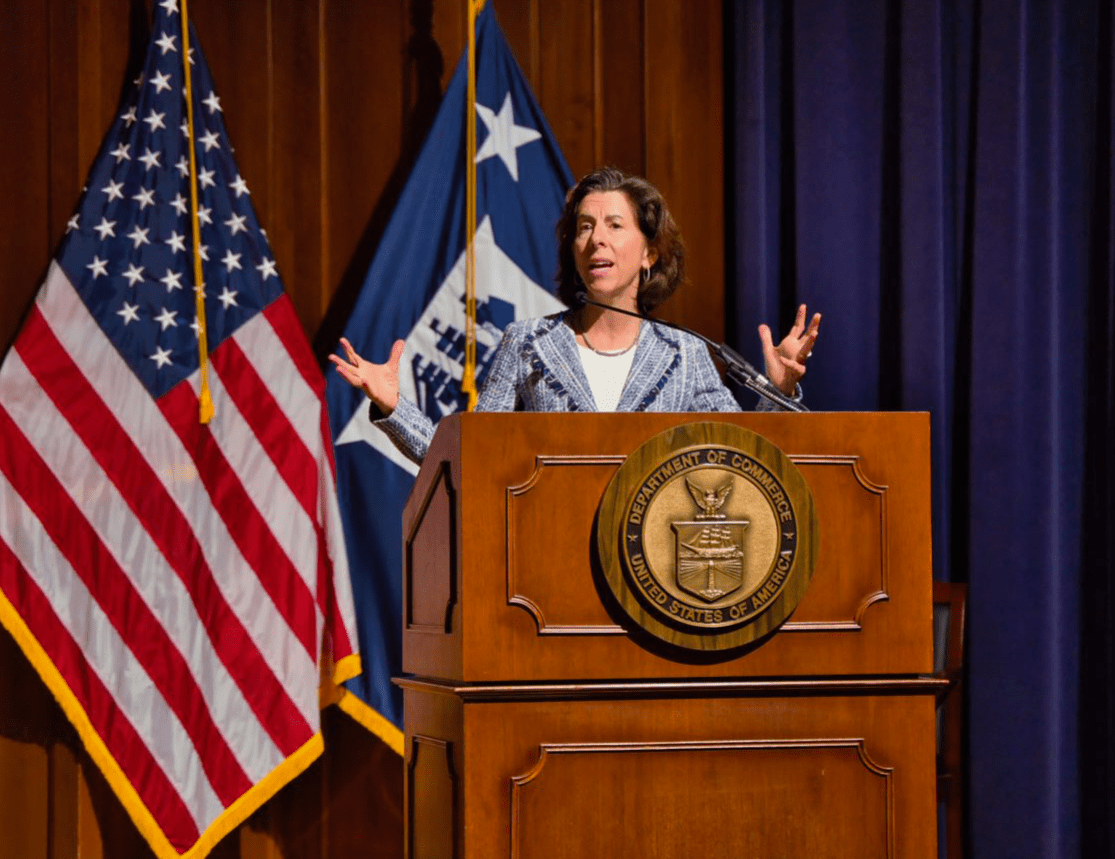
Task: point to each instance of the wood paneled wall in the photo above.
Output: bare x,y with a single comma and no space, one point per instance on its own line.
327,103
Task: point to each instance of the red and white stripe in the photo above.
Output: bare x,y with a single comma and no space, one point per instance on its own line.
178,576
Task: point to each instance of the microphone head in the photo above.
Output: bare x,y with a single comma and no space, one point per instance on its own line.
580,298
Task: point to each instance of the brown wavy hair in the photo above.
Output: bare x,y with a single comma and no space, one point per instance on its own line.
655,222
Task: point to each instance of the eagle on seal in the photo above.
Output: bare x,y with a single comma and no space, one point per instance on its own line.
709,500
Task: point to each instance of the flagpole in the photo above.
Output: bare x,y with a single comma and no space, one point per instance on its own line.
468,377
205,400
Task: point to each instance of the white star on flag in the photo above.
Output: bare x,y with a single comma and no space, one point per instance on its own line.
113,189
139,235
266,269
172,279
129,313
145,197
134,273
504,136
97,266
166,318
105,228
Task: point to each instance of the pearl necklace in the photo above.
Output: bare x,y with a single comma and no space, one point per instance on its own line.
611,353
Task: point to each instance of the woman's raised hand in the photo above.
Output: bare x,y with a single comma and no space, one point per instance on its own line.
785,363
379,381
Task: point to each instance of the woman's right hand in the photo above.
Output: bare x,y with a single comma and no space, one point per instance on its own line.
379,381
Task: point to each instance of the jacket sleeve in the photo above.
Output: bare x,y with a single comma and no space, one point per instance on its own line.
710,394
411,431
408,428
500,392
765,405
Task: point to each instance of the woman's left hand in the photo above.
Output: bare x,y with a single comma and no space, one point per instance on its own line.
785,363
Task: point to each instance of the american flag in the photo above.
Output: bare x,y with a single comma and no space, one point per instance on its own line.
180,587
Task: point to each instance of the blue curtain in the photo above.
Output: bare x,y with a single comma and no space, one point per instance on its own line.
936,178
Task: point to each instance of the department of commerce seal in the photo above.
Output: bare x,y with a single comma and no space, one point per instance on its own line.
707,536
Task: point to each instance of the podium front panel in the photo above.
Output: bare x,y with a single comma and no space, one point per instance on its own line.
502,582
824,775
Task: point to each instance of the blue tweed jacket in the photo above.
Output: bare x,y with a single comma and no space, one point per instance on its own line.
537,369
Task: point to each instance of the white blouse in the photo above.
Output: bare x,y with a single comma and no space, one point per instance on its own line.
606,375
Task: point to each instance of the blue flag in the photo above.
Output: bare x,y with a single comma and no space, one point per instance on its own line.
415,290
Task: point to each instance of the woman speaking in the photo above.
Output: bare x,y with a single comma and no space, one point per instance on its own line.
618,247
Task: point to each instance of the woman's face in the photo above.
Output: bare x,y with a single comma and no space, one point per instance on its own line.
609,249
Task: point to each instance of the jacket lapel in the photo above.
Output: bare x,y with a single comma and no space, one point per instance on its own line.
555,348
656,357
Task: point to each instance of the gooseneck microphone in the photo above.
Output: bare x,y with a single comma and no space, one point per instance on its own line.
734,363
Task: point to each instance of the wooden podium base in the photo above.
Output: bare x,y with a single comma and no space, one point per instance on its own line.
742,769
540,723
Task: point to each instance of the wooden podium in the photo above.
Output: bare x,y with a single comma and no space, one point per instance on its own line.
538,726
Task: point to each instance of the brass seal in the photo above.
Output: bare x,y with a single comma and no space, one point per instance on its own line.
707,535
